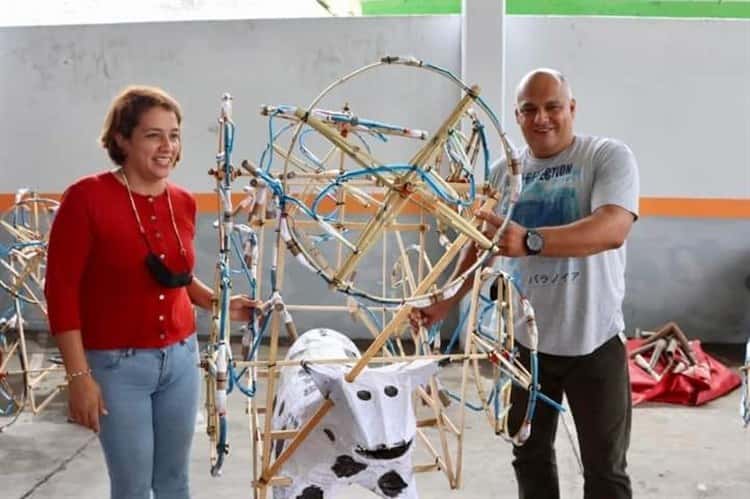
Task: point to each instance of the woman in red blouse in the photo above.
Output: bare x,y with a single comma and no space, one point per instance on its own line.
120,291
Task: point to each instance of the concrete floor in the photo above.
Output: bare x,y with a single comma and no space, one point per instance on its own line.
676,452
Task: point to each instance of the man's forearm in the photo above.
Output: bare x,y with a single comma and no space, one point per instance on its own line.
467,258
606,229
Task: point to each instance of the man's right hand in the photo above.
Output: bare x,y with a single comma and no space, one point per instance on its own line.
430,314
85,402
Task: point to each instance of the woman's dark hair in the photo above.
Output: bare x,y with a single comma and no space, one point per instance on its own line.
125,112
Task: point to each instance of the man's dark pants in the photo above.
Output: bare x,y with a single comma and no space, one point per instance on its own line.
597,386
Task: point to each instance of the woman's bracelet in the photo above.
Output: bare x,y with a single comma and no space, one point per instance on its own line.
75,374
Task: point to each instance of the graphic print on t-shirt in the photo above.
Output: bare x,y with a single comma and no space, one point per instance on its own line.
549,197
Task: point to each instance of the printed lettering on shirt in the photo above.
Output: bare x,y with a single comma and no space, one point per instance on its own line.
544,279
549,173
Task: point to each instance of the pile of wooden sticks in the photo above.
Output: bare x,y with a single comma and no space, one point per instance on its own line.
663,351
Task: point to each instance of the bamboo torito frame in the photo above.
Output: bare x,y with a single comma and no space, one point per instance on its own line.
26,224
396,191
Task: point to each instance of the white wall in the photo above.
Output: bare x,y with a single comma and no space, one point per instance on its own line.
57,82
676,90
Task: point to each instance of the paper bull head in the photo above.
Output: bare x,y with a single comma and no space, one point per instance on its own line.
368,435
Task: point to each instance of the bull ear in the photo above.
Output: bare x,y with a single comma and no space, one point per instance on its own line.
324,376
418,371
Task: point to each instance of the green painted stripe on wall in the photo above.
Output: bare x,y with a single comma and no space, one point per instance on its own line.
723,9
638,8
405,7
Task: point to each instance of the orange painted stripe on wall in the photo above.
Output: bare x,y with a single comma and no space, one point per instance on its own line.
695,207
649,206
7,200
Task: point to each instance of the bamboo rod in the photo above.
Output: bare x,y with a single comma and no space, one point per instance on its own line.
431,449
402,313
405,263
449,423
276,481
374,360
341,201
395,199
424,155
384,272
333,136
283,434
427,423
36,409
255,439
395,227
476,285
270,390
292,446
392,206
294,160
441,433
425,468
329,155
372,328
7,357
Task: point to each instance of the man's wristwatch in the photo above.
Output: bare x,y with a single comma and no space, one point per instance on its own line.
534,242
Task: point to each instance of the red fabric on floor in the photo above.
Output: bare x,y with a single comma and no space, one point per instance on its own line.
695,386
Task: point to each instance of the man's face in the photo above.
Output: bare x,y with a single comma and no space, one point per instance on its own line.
545,112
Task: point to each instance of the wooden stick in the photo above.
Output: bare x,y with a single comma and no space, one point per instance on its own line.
403,312
389,359
396,199
292,446
473,308
437,409
347,224
431,449
405,263
354,152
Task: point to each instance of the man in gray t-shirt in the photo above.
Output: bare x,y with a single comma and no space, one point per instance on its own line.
579,298
566,248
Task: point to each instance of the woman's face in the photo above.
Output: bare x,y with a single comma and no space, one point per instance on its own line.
154,146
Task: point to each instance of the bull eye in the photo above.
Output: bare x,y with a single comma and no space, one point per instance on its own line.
364,395
391,391
329,434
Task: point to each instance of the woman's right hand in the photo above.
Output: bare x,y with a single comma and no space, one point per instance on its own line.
85,402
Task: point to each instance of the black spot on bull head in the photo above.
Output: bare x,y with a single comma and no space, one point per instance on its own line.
311,492
391,484
346,466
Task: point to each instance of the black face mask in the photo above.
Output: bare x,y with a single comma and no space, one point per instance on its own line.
163,275
156,267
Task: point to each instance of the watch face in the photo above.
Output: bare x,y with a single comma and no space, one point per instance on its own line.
534,241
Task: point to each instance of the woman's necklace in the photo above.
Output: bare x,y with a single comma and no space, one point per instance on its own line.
138,218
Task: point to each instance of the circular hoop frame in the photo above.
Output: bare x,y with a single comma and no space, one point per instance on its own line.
398,186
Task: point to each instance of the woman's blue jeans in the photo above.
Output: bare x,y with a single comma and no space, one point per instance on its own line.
151,395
